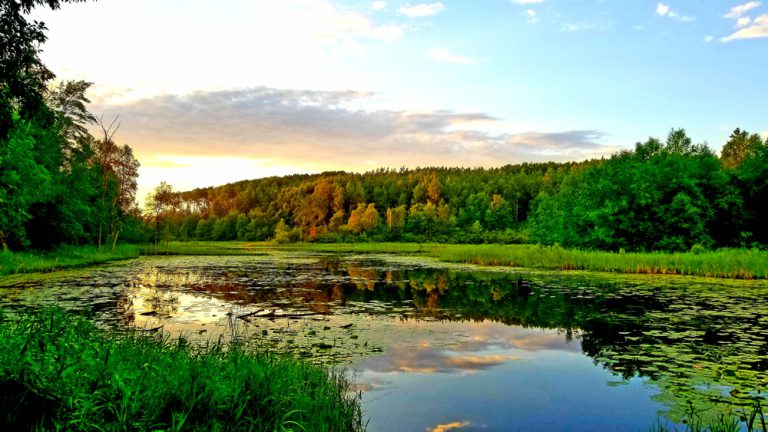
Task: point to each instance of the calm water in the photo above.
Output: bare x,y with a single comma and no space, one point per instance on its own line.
438,347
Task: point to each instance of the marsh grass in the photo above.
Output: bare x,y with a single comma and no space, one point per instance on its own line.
724,263
212,248
59,372
261,248
728,263
64,257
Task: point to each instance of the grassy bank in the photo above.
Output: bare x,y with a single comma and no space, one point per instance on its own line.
59,372
727,263
64,257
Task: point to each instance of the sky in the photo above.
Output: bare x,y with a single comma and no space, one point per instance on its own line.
214,91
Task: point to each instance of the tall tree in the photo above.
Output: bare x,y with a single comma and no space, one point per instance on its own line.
160,203
23,181
740,146
119,171
23,76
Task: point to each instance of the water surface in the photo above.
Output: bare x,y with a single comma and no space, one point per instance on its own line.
434,346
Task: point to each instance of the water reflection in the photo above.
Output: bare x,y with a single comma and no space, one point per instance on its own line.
461,348
696,340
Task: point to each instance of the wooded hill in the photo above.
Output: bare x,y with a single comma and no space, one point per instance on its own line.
660,196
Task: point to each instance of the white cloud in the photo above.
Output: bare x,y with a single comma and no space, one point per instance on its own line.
311,131
378,5
422,10
709,39
525,2
531,16
443,55
740,10
666,11
576,27
749,28
757,29
743,22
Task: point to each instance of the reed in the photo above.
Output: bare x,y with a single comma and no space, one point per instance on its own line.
59,372
722,263
725,263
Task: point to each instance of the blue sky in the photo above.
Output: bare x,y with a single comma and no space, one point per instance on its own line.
248,88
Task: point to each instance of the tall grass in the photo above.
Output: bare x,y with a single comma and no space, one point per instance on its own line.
59,372
205,248
724,263
64,257
727,263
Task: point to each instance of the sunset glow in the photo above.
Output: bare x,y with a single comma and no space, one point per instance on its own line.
247,89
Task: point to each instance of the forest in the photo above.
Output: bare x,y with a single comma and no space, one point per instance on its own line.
61,185
670,195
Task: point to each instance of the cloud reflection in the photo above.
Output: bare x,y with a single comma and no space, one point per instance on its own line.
449,426
463,348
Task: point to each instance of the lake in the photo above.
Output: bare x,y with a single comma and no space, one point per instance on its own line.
432,346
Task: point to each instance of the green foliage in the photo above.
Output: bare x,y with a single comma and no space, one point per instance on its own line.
50,188
740,147
751,177
418,205
286,234
659,197
23,182
60,372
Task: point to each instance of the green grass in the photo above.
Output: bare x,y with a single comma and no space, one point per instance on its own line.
206,248
59,372
727,263
64,257
724,263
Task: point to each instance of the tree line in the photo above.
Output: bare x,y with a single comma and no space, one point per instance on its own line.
670,196
58,182
435,204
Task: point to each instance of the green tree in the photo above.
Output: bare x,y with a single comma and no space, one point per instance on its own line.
204,230
751,179
23,182
658,197
23,76
740,146
159,205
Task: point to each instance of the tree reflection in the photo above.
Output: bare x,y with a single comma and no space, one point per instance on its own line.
705,347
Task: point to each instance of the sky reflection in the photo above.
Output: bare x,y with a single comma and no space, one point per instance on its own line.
462,347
